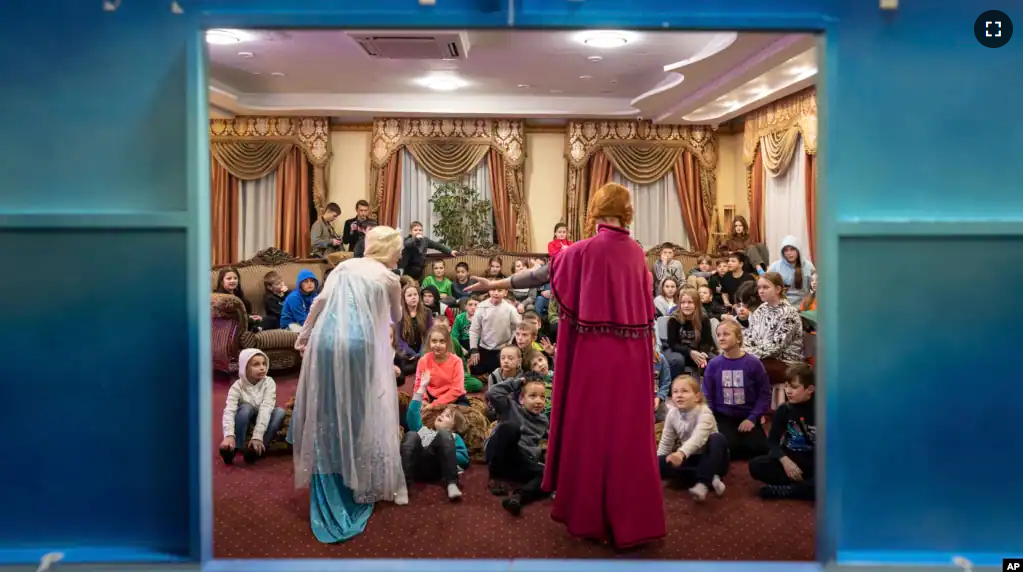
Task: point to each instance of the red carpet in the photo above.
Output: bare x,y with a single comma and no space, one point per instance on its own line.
259,514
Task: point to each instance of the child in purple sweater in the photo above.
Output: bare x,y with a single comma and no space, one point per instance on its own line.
738,392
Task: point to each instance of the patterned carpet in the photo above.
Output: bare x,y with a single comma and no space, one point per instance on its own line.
259,514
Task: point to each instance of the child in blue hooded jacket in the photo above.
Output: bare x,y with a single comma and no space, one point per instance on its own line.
297,303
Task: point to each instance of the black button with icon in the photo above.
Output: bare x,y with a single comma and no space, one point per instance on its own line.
993,29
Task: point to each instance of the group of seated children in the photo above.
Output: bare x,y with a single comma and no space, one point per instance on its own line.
284,309
712,385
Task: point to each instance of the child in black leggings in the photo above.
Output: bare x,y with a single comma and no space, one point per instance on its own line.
513,451
787,471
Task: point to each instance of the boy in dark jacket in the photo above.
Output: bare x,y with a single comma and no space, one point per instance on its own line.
513,451
414,251
275,291
787,471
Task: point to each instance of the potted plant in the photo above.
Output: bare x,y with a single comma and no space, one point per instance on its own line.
464,217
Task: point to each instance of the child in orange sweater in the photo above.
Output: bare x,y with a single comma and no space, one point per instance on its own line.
447,380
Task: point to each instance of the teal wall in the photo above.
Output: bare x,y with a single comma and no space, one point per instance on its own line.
104,218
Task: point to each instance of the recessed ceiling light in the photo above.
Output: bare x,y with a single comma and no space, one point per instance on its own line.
225,37
246,54
729,104
277,74
802,70
586,77
524,86
257,73
594,58
603,39
760,91
441,82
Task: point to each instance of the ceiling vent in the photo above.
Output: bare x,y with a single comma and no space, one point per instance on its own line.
413,45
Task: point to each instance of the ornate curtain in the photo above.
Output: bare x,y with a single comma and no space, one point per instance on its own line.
643,153
448,149
770,136
250,148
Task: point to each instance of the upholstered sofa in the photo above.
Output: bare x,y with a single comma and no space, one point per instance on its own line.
229,334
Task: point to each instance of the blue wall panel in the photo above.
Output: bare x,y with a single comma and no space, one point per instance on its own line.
95,377
927,396
919,123
94,105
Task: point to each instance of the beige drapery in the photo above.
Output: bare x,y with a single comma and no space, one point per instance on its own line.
643,153
448,149
770,137
250,147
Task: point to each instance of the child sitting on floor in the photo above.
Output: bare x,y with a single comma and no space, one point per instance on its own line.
460,328
668,297
492,327
787,471
443,368
511,361
712,310
560,241
513,450
703,269
432,301
473,384
526,337
297,303
274,293
438,453
251,402
692,453
537,363
739,393
543,342
667,267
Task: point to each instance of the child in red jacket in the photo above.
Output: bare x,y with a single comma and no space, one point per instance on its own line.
561,240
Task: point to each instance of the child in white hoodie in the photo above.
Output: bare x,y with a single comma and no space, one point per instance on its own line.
692,453
252,402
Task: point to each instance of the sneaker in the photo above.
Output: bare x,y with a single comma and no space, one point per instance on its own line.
512,504
228,454
718,486
402,497
250,455
699,492
454,493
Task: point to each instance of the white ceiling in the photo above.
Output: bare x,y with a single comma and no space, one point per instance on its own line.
670,77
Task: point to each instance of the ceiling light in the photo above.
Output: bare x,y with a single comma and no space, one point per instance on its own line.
604,39
586,77
277,74
594,58
225,37
246,54
442,83
524,86
730,104
802,70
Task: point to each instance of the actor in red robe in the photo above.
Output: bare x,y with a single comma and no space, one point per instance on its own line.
601,457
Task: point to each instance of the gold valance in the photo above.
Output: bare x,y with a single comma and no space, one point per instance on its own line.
448,161
390,135
583,138
797,114
249,160
247,145
642,164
